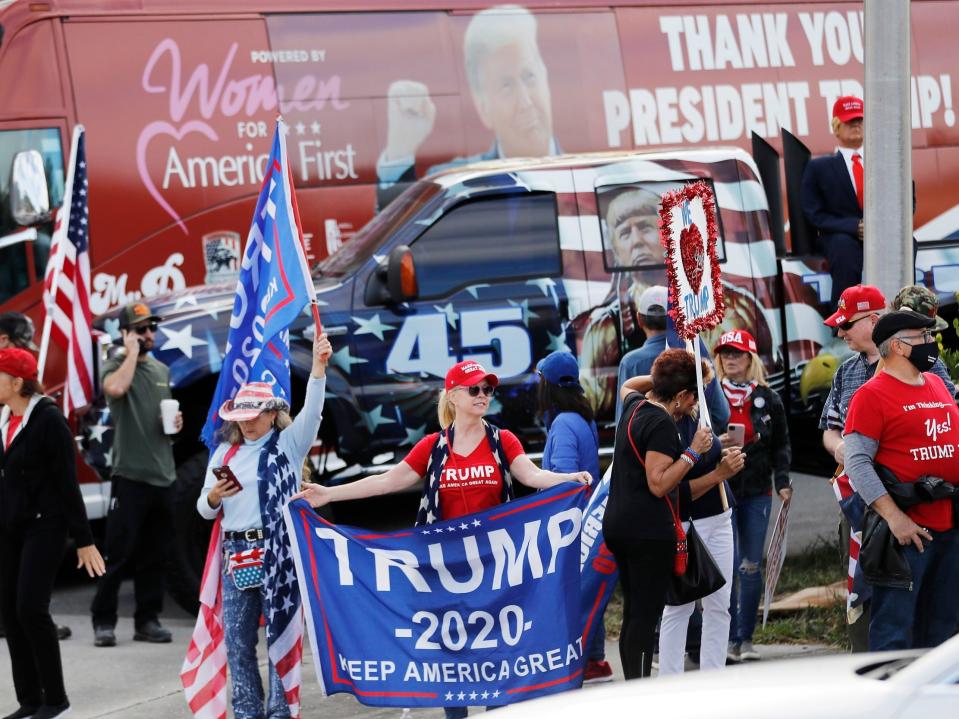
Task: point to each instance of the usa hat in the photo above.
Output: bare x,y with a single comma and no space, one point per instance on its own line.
856,299
467,373
250,400
19,328
17,362
135,313
847,107
737,339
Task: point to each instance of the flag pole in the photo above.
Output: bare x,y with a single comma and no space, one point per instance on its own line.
60,234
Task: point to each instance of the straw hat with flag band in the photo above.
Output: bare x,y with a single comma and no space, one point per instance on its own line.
250,401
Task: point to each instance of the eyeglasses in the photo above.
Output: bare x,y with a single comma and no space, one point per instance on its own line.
142,329
926,337
476,389
846,326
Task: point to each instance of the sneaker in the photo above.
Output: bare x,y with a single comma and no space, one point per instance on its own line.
597,672
152,632
63,632
49,712
22,713
103,636
733,653
747,653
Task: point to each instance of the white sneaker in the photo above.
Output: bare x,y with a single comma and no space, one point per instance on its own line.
747,653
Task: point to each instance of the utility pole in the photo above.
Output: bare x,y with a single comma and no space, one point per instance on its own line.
887,250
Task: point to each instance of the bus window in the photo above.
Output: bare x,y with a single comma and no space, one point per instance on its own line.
14,265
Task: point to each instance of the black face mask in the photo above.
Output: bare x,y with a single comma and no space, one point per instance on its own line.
924,356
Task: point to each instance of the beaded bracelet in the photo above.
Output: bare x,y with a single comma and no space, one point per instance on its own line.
694,454
687,459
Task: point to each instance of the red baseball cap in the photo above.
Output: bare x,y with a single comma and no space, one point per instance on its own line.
18,362
856,299
467,373
847,107
737,339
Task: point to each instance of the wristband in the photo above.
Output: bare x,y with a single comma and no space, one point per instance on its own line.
693,453
687,459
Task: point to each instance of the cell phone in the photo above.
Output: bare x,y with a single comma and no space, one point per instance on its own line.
226,473
737,433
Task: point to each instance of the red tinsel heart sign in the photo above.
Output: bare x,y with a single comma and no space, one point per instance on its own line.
694,255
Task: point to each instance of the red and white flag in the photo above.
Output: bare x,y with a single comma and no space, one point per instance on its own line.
66,284
203,673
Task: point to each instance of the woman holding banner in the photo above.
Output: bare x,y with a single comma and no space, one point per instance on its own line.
469,465
759,411
252,420
647,495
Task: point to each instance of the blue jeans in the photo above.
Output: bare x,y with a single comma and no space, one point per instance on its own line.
928,614
596,651
750,520
241,626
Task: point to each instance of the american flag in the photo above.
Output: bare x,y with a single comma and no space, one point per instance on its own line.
66,284
857,590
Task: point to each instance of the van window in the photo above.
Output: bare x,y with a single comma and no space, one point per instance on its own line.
489,240
14,267
629,218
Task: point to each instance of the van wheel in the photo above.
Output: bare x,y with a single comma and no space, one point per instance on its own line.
185,566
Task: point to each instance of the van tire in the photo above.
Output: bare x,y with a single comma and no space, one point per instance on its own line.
192,535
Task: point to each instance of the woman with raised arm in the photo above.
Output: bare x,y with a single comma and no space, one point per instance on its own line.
468,465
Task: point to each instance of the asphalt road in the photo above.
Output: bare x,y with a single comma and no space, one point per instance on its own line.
141,681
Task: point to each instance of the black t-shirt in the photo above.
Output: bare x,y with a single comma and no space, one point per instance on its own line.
633,512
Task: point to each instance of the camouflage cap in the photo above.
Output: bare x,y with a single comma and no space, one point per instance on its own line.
19,329
921,300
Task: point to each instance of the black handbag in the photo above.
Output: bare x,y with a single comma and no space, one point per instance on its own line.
702,576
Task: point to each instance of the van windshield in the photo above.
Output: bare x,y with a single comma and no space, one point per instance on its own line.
377,231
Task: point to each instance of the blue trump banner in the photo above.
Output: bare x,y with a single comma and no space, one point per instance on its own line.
599,570
274,285
485,609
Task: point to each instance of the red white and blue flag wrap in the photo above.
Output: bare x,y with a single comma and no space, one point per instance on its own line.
273,287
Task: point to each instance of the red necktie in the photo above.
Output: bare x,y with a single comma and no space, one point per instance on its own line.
857,176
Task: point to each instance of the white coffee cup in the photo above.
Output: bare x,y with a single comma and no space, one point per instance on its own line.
168,412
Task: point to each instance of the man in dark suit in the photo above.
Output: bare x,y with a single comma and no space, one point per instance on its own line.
832,197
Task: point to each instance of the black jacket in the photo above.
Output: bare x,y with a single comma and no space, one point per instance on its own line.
38,474
771,454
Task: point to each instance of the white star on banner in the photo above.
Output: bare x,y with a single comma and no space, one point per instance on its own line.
184,301
449,696
496,694
315,127
528,314
461,696
343,359
473,695
375,418
450,313
476,523
95,433
181,339
556,343
451,528
372,326
464,525
300,128
485,694
474,290
414,434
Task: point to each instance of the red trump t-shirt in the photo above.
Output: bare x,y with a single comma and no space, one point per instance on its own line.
918,433
468,484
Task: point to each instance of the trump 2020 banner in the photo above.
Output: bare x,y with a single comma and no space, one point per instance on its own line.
481,610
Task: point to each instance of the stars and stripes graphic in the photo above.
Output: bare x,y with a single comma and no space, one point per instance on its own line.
284,618
857,590
66,285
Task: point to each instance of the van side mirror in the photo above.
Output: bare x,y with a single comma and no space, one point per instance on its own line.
394,280
29,200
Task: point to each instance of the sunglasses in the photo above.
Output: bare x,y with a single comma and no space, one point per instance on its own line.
476,389
846,326
142,329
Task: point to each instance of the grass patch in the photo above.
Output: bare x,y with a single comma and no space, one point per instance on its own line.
817,566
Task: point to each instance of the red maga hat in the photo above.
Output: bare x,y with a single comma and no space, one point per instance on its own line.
18,362
856,299
737,339
468,373
847,107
